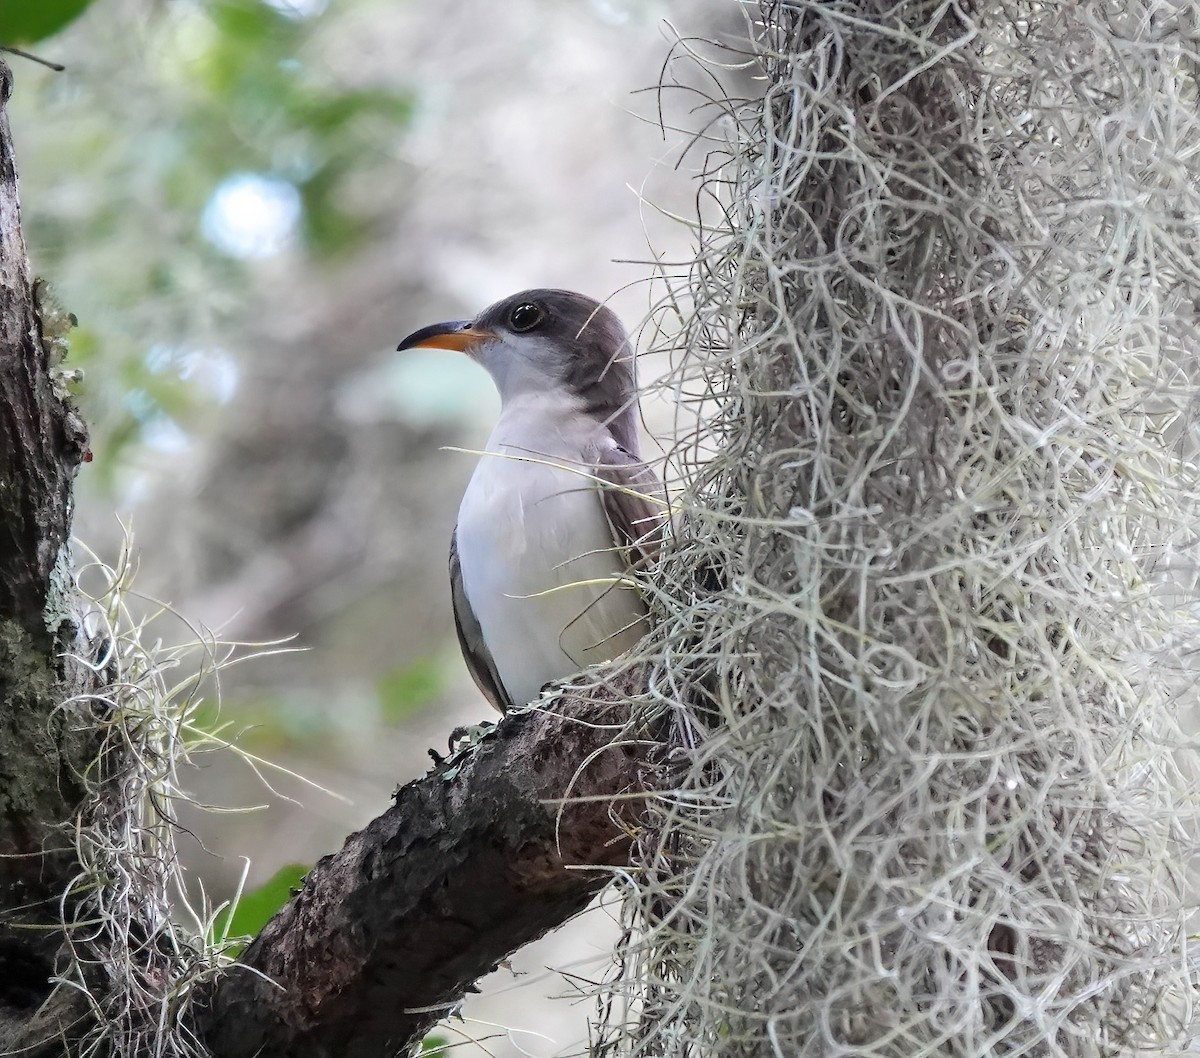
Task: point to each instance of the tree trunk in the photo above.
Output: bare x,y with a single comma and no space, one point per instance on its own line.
42,749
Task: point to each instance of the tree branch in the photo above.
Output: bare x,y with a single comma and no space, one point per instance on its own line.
473,861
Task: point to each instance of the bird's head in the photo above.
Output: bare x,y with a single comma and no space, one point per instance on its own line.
542,340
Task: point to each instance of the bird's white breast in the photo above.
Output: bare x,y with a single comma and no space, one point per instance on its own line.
539,565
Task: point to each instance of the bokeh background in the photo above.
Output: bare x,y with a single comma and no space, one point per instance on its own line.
247,203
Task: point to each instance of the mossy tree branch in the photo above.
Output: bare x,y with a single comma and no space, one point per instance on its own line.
471,862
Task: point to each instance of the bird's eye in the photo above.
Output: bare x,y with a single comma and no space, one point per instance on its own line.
525,317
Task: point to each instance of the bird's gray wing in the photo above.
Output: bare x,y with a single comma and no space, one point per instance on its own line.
470,637
632,496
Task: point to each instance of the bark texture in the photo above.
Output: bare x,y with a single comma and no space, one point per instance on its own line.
473,861
42,442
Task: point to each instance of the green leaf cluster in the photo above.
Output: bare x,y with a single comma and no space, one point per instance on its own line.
122,154
264,108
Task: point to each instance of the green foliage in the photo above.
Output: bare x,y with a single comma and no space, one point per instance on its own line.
255,908
435,1045
271,724
121,157
27,21
409,688
286,121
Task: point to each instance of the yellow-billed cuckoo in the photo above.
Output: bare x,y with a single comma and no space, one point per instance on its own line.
560,504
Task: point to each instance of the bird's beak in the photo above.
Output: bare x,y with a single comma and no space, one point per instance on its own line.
458,335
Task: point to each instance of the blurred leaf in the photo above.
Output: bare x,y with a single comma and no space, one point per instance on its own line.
159,394
206,717
404,690
26,21
256,907
262,725
82,346
269,725
328,229
434,1044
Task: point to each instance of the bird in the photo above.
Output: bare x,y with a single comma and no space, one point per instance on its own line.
561,510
